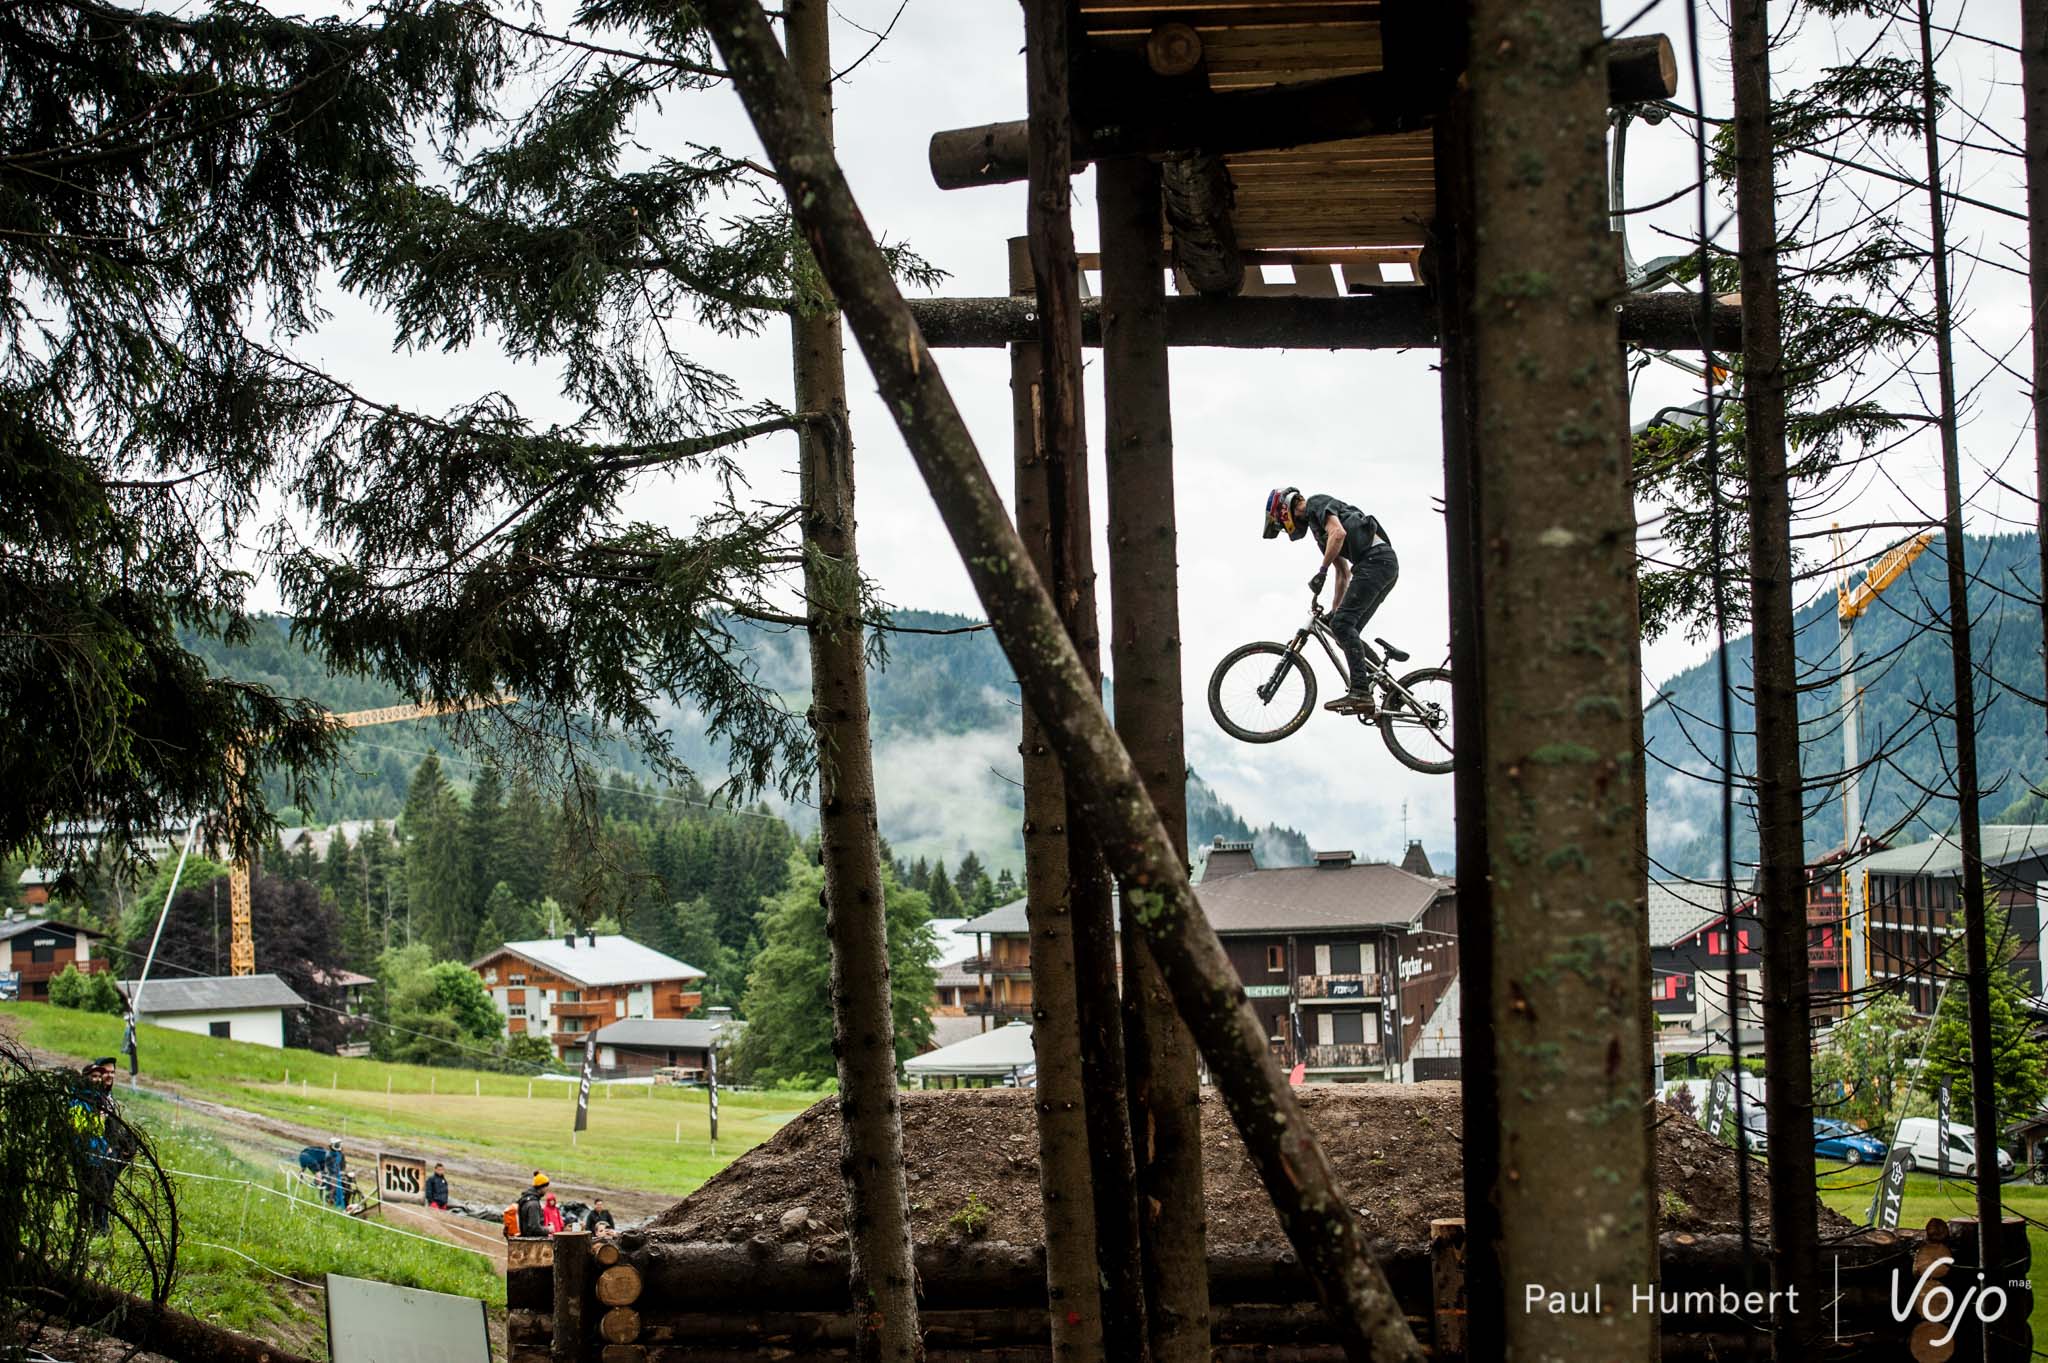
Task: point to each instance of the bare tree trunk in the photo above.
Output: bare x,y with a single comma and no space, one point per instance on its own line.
1056,274
1557,623
1145,652
1066,1184
2034,87
1781,811
1983,1094
883,1282
1104,786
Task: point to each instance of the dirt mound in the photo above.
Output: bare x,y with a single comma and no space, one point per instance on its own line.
972,1157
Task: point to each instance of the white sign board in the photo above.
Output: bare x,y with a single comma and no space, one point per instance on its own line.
372,1322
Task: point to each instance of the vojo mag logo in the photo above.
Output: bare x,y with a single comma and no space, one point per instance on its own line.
1940,1305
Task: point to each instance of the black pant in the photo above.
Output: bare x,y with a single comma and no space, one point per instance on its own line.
1371,579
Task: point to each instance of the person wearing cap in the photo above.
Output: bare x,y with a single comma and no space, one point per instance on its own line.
97,1129
337,1173
532,1212
1356,546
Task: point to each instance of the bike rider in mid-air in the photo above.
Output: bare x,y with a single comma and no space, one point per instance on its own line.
1358,548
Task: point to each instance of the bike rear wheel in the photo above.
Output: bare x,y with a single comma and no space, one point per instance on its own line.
1418,732
1262,692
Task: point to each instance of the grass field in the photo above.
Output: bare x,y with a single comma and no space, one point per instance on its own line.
1849,1192
650,1139
251,1260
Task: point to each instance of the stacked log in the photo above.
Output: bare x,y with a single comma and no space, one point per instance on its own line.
642,1300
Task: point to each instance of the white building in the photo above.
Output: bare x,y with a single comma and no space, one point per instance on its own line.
237,1008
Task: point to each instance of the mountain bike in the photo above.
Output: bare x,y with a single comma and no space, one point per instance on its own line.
1263,692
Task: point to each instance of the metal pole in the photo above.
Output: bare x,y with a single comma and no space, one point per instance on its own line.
135,1000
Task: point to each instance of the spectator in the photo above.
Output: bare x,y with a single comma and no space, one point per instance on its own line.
551,1215
437,1188
599,1221
337,1174
97,1127
532,1216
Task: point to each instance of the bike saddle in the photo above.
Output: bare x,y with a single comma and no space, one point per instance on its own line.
1393,654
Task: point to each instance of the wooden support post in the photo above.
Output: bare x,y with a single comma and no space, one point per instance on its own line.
573,1301
1449,272
1291,1162
1145,652
1065,1183
1556,545
1063,432
1447,1287
849,841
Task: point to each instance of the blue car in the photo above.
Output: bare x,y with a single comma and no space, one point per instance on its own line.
1834,1139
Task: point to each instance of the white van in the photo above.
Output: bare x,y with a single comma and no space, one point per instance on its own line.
1922,1136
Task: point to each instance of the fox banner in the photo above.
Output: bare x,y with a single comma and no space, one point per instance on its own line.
1891,1189
1943,1108
1716,1109
583,1088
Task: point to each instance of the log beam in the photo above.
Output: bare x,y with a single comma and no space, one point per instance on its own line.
1296,114
1199,196
1399,319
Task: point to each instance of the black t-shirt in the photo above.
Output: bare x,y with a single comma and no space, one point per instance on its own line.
599,1217
1361,531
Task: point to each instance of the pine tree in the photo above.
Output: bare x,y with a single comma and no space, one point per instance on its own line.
1006,887
920,876
486,830
2019,1061
945,900
438,881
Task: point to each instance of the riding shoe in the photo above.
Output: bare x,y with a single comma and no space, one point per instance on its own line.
1351,703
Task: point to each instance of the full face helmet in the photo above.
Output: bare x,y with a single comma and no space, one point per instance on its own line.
1280,513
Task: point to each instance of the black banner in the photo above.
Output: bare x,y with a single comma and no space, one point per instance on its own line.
1716,1109
583,1089
1891,1190
1941,1131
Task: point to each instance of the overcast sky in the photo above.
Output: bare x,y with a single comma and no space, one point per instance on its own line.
1361,425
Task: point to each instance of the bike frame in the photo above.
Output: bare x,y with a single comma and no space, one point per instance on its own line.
1410,710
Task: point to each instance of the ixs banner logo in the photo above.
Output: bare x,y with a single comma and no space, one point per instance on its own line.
1940,1305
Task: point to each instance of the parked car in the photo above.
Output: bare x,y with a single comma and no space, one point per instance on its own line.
1835,1139
1922,1135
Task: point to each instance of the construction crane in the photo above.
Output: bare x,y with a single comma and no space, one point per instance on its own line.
242,937
1851,601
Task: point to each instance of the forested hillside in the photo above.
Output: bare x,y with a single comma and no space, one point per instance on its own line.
946,718
1904,670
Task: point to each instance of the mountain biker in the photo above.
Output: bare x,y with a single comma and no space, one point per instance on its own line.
1357,546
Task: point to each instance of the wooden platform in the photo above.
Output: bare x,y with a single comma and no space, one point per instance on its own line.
1368,192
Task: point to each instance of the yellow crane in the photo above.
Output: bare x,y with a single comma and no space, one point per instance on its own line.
242,938
1851,601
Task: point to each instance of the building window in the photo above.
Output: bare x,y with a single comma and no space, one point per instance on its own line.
572,996
1276,958
515,979
1344,958
219,1029
572,1024
43,950
517,1010
1348,1029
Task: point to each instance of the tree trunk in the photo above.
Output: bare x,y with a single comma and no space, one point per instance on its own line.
1450,274
1111,795
1145,653
1066,1185
883,1283
1780,808
1056,276
1200,197
1557,631
2034,88
1983,1093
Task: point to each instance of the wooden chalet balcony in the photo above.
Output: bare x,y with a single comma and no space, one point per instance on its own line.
683,1003
32,972
976,1008
1338,988
1819,957
593,1008
995,968
1342,1055
1824,911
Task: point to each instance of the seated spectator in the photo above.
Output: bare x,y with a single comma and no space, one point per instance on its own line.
599,1220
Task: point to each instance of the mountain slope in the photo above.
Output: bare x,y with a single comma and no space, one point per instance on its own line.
945,720
1903,667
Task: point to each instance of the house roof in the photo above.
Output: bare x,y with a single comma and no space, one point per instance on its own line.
1002,1051
14,927
955,975
1943,856
214,994
611,959
946,1030
1680,908
1330,897
342,979
682,1034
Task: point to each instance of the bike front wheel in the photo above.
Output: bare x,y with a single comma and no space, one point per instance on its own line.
1417,728
1262,692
